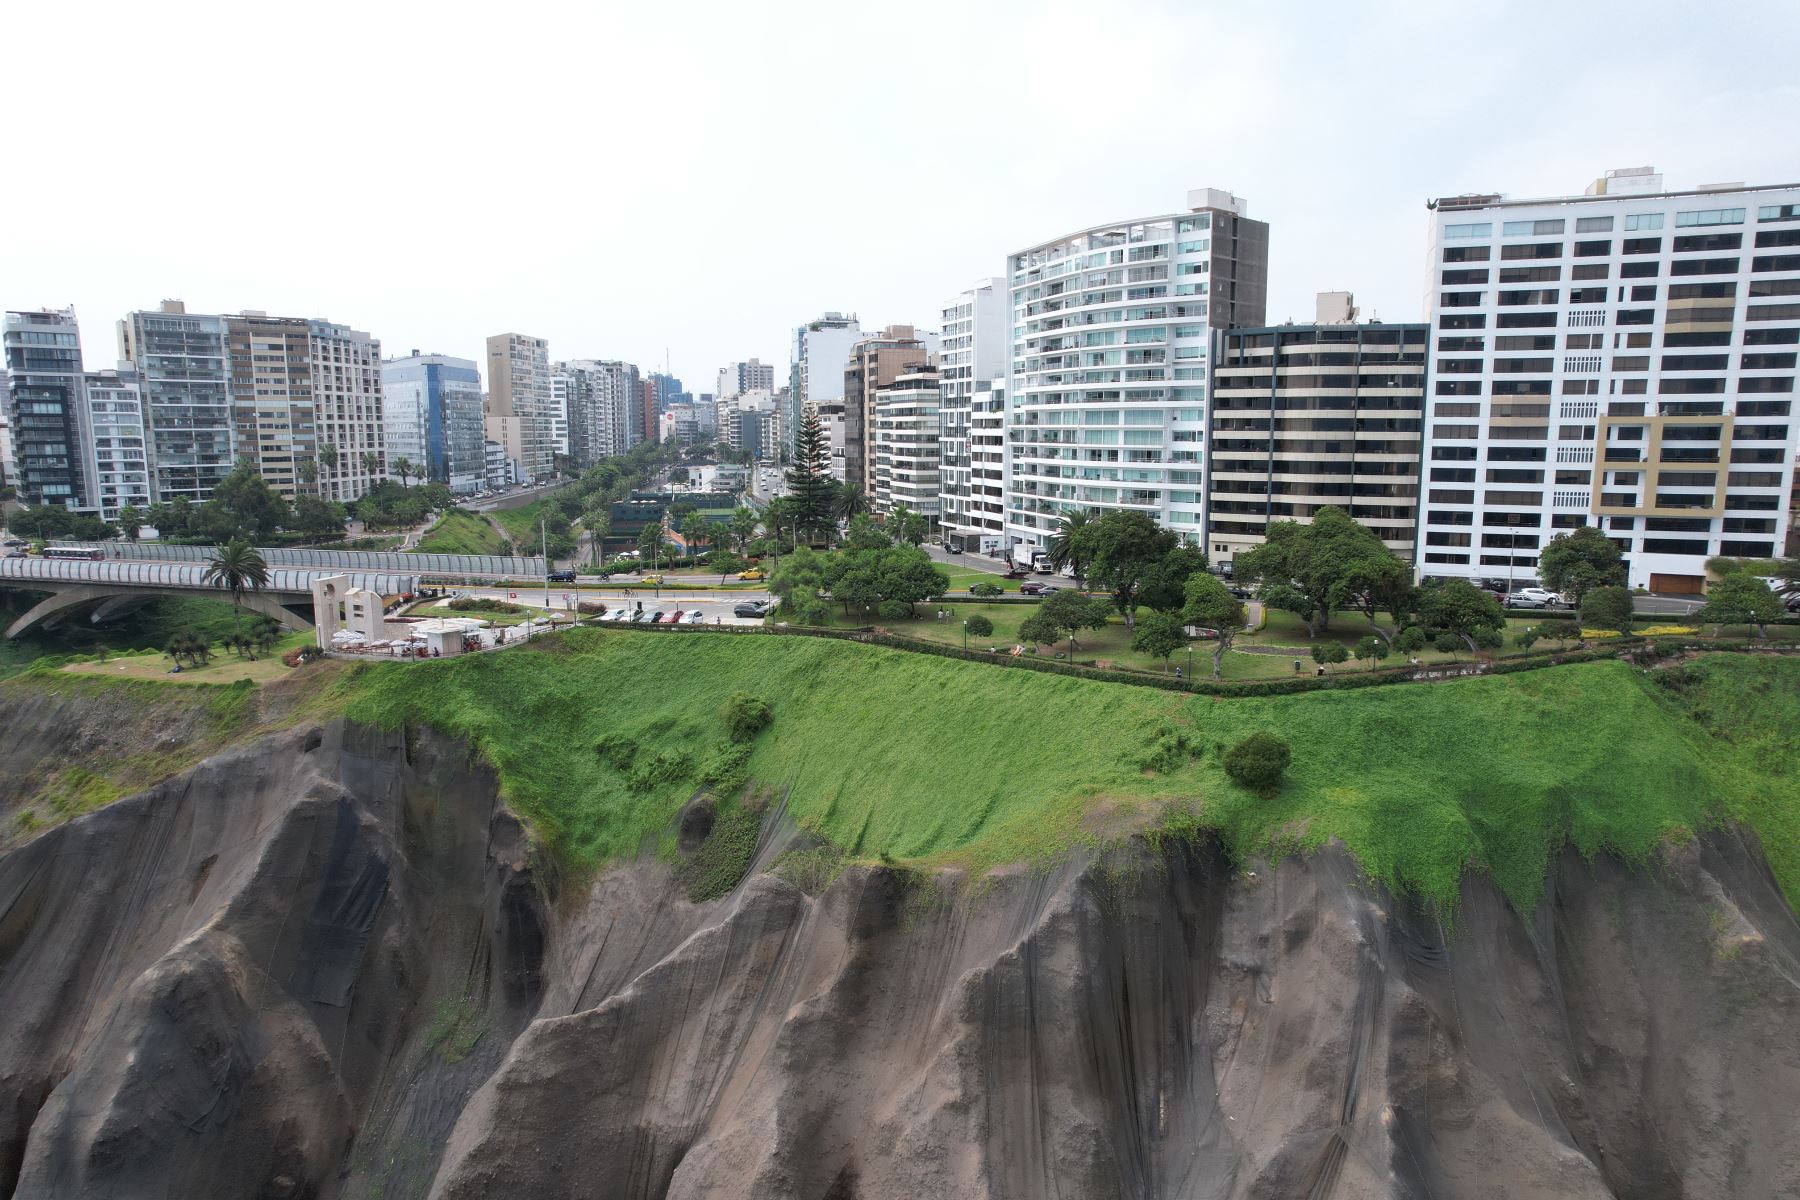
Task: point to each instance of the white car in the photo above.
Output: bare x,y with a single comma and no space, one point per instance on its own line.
1536,597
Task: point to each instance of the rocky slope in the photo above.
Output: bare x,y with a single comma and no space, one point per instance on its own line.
324,965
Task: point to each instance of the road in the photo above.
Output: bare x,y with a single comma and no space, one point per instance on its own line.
716,607
972,562
516,499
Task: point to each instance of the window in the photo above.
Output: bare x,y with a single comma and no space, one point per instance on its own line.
1642,246
1592,249
1594,225
1596,270
1776,262
1703,291
1644,291
1778,212
1532,250
1640,270
1710,216
1707,241
1643,221
1456,254
1771,337
1704,266
1525,275
1478,229
1451,278
1532,228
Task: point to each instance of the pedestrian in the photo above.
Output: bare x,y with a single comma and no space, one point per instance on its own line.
1178,673
1321,671
1296,666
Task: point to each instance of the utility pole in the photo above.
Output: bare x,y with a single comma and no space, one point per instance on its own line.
544,545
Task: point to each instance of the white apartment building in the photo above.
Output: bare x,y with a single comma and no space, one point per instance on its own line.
601,395
816,359
559,415
1623,358
346,393
904,445
518,406
738,377
182,370
117,457
1112,334
497,466
975,348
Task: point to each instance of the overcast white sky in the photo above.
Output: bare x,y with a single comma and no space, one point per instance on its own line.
701,177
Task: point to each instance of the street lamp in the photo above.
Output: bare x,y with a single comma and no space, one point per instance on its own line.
965,635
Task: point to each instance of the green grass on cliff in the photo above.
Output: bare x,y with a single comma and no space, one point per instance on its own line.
933,760
460,531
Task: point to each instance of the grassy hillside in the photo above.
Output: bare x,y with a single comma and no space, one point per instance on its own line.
934,760
460,531
521,524
146,628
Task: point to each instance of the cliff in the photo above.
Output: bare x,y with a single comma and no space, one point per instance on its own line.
326,964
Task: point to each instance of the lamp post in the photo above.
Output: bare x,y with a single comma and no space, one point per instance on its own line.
544,545
965,635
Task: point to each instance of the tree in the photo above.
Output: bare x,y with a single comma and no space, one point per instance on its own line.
1159,635
1576,562
1380,583
1410,640
1372,648
906,575
237,567
1329,654
1038,629
695,532
1210,603
745,716
48,521
1458,607
371,463
726,563
1447,643
797,582
1526,639
263,633
1607,608
1071,612
985,590
329,457
403,467
850,502
650,544
1741,599
809,481
243,505
1164,584
909,527
316,517
865,534
1065,547
130,521
743,526
1121,547
308,470
1310,570
1788,571
598,520
188,644
979,626
1258,762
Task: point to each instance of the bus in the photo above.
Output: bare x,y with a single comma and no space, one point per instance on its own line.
79,553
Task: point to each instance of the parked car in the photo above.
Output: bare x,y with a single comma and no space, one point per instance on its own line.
1793,603
1536,597
1034,588
1240,593
673,618
655,618
561,577
640,617
748,609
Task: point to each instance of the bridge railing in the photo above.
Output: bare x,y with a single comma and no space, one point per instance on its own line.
396,561
187,575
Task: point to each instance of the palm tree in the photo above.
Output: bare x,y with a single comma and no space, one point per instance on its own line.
851,501
237,567
694,531
329,456
743,527
308,470
598,519
371,462
403,467
1065,543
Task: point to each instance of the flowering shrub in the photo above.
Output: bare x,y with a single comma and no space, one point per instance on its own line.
1594,635
1658,630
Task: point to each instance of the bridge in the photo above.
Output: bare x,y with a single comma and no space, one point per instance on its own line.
108,589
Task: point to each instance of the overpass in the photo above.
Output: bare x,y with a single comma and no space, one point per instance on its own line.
395,562
110,588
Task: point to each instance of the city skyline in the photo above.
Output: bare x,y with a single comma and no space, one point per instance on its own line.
1334,130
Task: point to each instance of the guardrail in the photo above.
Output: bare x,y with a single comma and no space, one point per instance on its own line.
402,561
186,575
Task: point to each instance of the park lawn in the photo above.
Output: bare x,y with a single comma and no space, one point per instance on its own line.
222,667
943,762
460,531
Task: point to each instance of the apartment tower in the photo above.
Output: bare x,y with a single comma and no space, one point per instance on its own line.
518,405
46,408
874,362
1113,329
432,418
903,445
1623,358
973,353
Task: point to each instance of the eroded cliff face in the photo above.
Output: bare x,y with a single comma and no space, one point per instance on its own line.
321,966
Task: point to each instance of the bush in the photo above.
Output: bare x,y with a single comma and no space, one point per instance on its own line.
616,751
1169,750
979,626
745,716
665,766
724,857
1410,640
1258,762
1447,643
483,604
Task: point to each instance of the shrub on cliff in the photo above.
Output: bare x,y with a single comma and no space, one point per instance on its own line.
745,716
1258,761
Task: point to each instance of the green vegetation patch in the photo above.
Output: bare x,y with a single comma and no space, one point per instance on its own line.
723,858
931,760
460,531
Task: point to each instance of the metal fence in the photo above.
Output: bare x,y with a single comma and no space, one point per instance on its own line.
186,575
336,560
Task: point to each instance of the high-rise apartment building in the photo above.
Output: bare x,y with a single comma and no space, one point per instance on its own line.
181,363
1113,328
559,418
904,445
875,361
738,377
1623,358
644,426
117,457
269,368
602,395
346,370
974,351
47,412
1303,416
518,405
667,390
432,417
816,360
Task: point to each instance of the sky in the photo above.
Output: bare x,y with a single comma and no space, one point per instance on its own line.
695,179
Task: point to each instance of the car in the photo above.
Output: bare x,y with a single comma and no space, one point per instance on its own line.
693,618
651,579
655,618
1034,588
1239,593
561,577
748,609
753,573
1536,597
670,618
1793,604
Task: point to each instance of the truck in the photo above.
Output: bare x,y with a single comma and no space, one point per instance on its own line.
1021,556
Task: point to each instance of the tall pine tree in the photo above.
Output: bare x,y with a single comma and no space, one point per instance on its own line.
809,480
